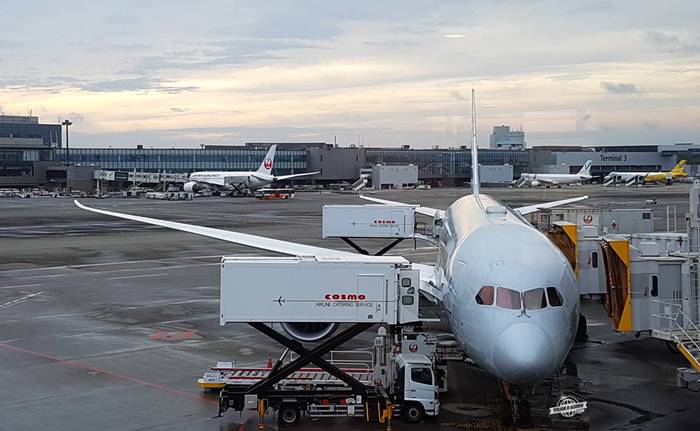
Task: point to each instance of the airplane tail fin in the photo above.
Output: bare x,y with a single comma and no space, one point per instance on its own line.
475,150
266,165
586,169
680,167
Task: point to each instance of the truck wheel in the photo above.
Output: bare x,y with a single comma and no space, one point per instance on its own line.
412,413
288,414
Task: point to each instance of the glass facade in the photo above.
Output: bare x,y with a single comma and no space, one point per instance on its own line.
446,163
184,160
50,134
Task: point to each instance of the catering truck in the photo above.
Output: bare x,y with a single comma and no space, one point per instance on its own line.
328,301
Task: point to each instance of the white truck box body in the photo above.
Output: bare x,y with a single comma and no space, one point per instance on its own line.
313,289
368,221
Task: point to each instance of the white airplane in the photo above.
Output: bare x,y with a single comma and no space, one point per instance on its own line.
510,295
535,180
239,180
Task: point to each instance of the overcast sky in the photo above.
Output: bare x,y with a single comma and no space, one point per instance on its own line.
172,74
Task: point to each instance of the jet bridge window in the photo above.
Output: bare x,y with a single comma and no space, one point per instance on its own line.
485,296
554,297
534,299
508,298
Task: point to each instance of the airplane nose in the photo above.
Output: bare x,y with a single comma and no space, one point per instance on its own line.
524,353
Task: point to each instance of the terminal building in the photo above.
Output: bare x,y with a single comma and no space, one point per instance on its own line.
504,138
26,149
32,155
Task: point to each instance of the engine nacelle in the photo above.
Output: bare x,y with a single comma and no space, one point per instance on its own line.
192,187
308,331
534,183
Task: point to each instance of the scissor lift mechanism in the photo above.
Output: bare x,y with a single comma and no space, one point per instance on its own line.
234,396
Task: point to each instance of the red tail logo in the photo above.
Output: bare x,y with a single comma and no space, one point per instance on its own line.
268,163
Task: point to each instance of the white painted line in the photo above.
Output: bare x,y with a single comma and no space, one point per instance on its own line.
20,286
19,300
138,276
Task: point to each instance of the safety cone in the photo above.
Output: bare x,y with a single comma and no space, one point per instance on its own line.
269,360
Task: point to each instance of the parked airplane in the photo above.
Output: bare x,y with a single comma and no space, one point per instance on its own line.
633,178
239,180
510,295
534,180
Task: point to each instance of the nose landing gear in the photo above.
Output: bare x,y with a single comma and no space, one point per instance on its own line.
515,407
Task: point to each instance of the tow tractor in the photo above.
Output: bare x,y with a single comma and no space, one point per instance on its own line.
327,301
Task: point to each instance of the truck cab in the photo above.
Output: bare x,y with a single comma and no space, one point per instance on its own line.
415,387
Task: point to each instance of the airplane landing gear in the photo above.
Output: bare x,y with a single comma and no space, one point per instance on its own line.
515,407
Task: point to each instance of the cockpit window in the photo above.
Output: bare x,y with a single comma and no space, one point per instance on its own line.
485,296
508,298
534,299
554,297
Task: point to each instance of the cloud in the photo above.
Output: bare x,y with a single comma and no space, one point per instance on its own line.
669,42
620,88
135,84
77,117
457,95
228,52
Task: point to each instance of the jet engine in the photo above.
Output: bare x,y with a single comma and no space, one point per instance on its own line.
192,187
534,183
308,331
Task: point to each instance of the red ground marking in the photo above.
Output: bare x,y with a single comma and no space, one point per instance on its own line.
173,335
110,373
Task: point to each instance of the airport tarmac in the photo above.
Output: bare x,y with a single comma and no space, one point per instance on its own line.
107,324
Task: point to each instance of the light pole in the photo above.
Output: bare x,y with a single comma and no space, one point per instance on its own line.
67,123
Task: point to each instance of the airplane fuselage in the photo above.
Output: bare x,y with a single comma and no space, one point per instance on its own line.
522,333
556,178
227,180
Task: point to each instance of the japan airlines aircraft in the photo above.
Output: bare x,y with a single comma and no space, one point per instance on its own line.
534,180
510,296
239,180
632,178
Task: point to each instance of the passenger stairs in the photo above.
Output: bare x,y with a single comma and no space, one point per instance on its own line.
671,323
360,183
609,182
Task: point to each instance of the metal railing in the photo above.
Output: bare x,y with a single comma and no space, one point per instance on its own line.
669,320
357,359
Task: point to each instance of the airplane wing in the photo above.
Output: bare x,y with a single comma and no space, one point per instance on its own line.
431,212
286,177
275,245
428,284
532,208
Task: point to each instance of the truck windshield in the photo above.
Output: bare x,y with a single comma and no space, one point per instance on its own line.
422,375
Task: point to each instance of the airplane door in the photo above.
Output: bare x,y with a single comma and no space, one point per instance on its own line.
372,288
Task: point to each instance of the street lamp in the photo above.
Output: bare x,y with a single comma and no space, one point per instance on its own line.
67,123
